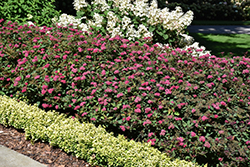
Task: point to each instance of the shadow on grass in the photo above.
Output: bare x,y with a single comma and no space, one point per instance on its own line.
229,44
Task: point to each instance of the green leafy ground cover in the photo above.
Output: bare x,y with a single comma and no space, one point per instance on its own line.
224,45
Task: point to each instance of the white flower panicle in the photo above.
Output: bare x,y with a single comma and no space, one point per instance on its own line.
98,21
174,20
143,30
131,33
122,5
125,22
79,4
84,27
186,40
154,14
116,31
140,8
65,20
197,51
195,46
112,19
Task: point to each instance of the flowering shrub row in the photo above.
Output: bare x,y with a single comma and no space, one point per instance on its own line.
83,140
132,21
193,108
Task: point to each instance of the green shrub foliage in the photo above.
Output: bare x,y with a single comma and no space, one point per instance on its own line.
18,10
193,108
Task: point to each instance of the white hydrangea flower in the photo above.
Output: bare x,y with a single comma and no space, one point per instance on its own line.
123,5
116,31
125,22
112,16
175,20
195,46
91,23
137,34
186,40
154,13
131,32
84,27
111,25
65,20
178,9
140,8
78,4
98,20
196,49
142,28
154,4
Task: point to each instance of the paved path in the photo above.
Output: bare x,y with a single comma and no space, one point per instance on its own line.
10,158
220,29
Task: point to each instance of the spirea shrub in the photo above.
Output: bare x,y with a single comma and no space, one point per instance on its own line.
22,11
192,108
132,20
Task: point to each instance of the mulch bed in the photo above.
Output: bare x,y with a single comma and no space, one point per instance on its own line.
41,152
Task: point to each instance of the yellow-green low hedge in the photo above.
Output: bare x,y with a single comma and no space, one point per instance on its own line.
83,140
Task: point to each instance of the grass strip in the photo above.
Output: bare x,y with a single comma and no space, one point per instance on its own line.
238,44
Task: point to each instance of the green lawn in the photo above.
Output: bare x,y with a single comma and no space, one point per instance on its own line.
238,44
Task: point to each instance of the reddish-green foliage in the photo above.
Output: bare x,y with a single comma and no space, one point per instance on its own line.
193,108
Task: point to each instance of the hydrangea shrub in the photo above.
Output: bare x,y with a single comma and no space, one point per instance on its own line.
132,20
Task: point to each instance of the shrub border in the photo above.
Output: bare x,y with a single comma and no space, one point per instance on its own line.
83,140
